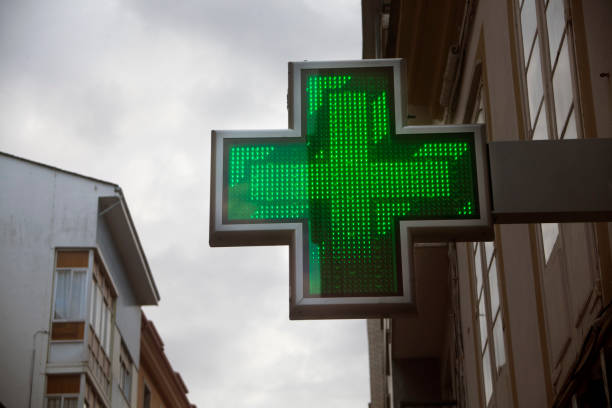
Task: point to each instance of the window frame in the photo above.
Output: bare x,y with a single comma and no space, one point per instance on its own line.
548,67
477,252
548,64
62,398
125,367
83,303
101,317
480,269
146,392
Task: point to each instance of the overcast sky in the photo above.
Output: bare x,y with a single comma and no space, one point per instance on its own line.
128,91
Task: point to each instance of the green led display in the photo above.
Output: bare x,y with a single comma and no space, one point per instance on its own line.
350,179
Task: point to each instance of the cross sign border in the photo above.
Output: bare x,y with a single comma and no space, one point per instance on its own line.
292,233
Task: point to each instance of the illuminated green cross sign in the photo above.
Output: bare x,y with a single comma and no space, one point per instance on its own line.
344,187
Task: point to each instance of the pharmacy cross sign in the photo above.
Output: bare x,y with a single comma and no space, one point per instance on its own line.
348,189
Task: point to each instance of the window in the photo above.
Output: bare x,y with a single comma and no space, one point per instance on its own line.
547,54
125,376
100,316
547,62
62,391
146,398
62,402
491,330
70,295
491,351
92,398
101,324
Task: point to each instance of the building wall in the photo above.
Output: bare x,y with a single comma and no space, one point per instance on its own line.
469,326
549,306
490,48
127,310
415,380
145,378
40,209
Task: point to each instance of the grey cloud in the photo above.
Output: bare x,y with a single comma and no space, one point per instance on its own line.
128,92
264,29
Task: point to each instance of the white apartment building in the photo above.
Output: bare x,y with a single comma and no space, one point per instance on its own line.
73,276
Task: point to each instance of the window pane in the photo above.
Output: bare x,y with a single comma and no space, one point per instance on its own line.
486,373
92,303
54,402
109,325
528,23
62,291
103,325
146,399
70,402
555,19
482,317
540,131
478,268
534,83
128,386
77,296
500,347
98,325
494,288
562,85
121,374
570,130
550,232
489,248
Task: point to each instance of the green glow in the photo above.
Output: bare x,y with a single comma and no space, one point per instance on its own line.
350,179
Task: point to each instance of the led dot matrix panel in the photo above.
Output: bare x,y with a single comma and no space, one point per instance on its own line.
350,180
349,188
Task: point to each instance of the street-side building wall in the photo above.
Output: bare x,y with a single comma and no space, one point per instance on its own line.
549,301
552,282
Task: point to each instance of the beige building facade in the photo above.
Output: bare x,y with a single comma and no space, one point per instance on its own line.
158,384
522,321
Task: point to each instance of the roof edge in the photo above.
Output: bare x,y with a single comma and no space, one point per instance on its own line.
116,213
48,166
